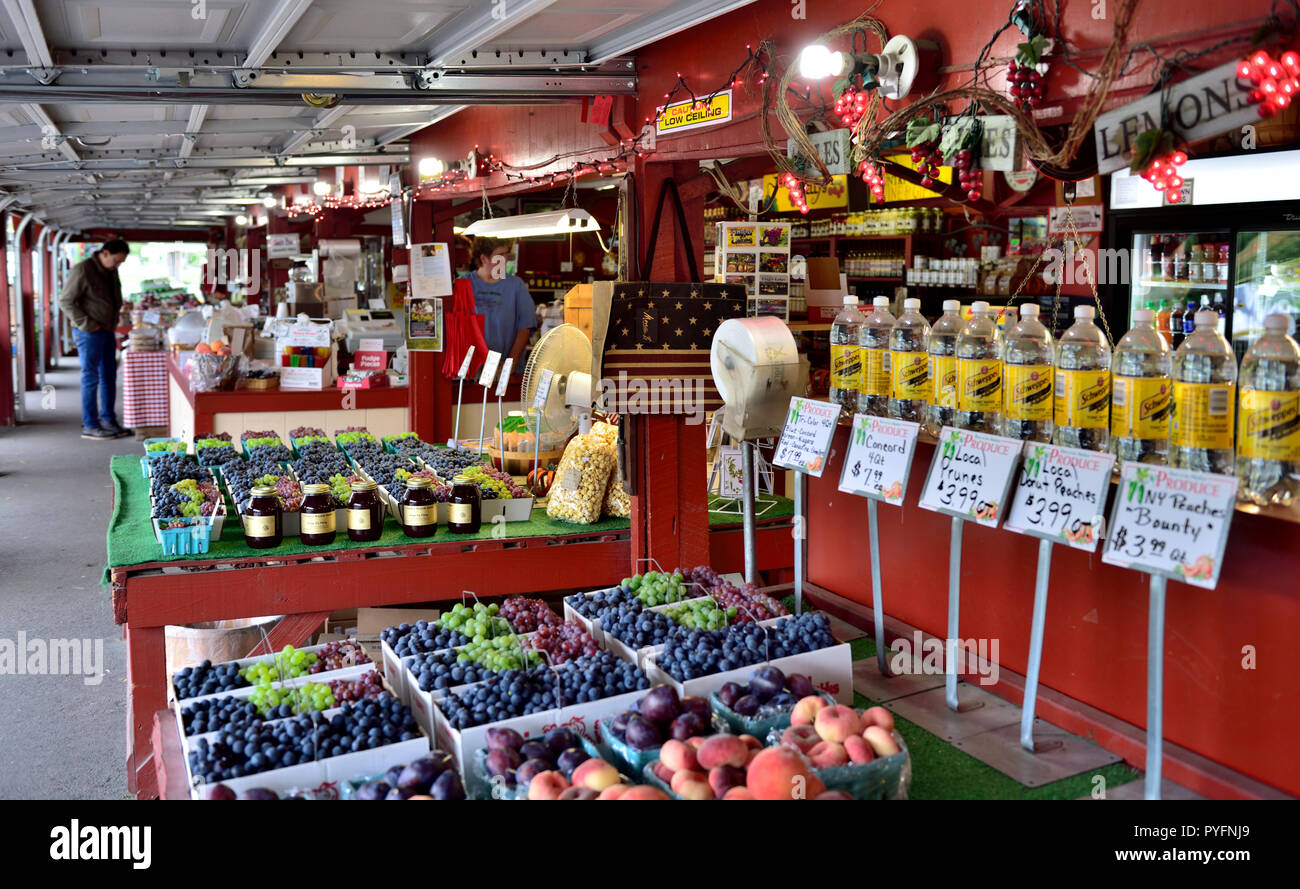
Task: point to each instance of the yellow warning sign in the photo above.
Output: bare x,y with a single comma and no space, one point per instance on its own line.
681,116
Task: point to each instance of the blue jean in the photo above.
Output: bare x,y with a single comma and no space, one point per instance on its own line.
98,351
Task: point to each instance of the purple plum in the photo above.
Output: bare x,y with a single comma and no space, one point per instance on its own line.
730,693
699,706
570,760
688,725
535,750
498,738
502,762
220,791
660,705
531,769
560,740
766,682
419,774
642,734
800,685
448,786
373,790
747,705
259,793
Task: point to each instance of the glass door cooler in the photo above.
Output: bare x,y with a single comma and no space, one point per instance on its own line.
1267,280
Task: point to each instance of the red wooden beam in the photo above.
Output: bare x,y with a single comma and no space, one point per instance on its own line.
26,247
293,629
6,344
169,756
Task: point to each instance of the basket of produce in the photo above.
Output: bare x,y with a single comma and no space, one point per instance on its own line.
259,378
854,752
767,703
157,447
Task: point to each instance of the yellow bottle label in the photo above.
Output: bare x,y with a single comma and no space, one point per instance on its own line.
358,519
425,514
1028,391
1202,416
259,526
1140,406
1082,399
460,513
318,522
846,367
943,380
877,372
979,384
1268,426
911,375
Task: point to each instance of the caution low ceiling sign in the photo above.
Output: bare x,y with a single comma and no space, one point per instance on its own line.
690,115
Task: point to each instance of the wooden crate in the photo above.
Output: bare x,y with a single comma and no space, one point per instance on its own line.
578,308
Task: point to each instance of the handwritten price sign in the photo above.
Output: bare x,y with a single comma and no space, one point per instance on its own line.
1172,522
970,475
806,439
1060,495
879,459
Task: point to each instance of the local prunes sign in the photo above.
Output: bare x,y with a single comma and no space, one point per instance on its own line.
970,475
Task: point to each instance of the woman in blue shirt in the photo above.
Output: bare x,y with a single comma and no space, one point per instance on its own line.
509,313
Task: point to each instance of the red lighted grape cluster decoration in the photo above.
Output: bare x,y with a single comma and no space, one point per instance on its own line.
1275,82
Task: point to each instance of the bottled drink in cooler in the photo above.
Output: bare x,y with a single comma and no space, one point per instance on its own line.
1268,422
942,346
846,356
1082,396
1027,357
909,364
1141,394
1162,322
1205,376
979,373
1176,325
874,339
1189,319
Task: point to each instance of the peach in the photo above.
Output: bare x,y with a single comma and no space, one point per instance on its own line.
723,778
644,791
859,750
835,794
751,756
661,771
613,791
806,710
547,785
722,750
781,773
680,778
576,792
695,790
751,742
800,737
678,756
695,741
837,723
738,793
828,754
878,716
595,774
882,743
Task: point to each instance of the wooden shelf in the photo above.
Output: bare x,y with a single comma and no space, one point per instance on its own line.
808,326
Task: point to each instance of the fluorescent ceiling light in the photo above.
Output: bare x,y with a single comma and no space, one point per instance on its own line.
241,219
269,202
555,222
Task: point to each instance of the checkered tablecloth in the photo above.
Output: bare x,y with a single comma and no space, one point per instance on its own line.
144,389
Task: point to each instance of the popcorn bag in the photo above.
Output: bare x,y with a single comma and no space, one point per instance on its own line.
617,502
578,494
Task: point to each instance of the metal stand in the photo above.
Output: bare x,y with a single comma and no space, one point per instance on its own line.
877,608
954,608
1035,645
800,542
460,398
748,480
1155,686
501,425
482,420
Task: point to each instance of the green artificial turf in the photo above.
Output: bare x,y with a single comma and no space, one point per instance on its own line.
782,508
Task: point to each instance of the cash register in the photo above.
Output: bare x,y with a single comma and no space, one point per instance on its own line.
388,325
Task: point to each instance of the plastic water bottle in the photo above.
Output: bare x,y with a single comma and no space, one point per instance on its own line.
1027,356
1205,377
1082,397
1268,422
909,364
942,346
1141,393
846,356
874,339
979,373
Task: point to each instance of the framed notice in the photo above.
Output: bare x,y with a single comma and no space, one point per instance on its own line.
430,271
879,459
1171,522
971,475
424,325
756,254
805,441
1060,495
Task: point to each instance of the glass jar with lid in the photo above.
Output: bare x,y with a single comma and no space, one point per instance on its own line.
365,513
466,513
317,525
263,518
419,508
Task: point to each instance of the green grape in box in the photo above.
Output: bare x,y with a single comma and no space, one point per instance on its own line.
701,614
657,587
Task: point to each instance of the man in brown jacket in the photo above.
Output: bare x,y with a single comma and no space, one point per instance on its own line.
92,300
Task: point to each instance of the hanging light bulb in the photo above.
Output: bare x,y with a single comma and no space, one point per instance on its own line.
817,62
321,187
268,202
241,219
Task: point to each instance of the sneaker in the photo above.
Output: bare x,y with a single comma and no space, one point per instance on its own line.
97,434
118,431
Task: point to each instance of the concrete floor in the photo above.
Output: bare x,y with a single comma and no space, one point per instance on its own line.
60,738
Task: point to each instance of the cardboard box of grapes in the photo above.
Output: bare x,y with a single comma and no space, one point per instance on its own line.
422,702
264,659
638,656
591,625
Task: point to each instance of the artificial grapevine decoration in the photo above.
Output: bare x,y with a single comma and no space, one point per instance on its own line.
1157,160
1026,72
922,137
960,147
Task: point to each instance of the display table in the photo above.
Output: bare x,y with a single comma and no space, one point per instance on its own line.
307,583
144,389
383,411
1230,667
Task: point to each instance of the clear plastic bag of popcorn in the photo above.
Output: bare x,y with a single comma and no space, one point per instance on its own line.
607,432
618,502
578,493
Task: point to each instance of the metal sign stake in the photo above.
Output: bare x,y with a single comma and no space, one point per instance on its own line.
482,420
799,542
877,607
1155,686
954,608
1035,644
460,398
748,480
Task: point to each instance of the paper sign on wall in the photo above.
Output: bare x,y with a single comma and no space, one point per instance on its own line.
430,271
489,371
1060,495
543,389
970,475
282,246
504,380
879,458
731,479
152,316
424,325
1087,219
1172,522
806,439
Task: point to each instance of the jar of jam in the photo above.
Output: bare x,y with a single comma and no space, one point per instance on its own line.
263,518
419,508
466,513
317,525
365,512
